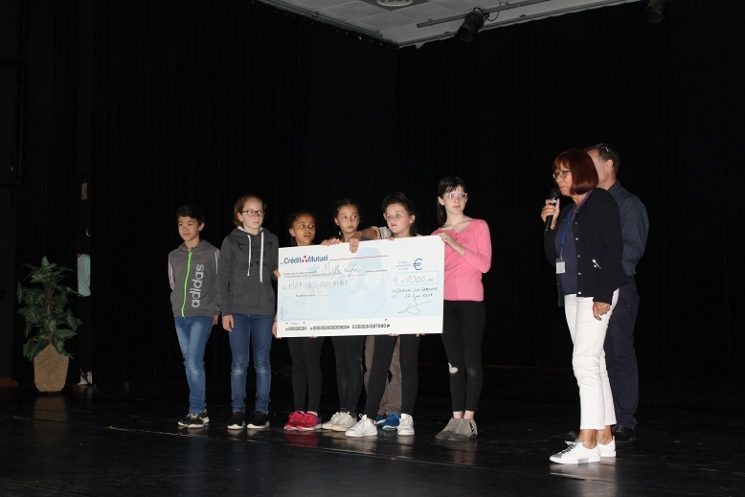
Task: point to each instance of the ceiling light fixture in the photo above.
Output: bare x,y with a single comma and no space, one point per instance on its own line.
473,22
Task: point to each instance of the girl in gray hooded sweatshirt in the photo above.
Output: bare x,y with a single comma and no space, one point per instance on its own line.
248,261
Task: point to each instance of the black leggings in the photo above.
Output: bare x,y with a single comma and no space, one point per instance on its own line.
307,377
463,331
348,353
409,356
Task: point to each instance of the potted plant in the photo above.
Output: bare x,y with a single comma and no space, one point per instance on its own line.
43,301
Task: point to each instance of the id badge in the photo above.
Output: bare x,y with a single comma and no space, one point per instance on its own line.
560,266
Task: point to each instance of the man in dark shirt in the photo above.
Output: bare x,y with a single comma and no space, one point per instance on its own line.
620,355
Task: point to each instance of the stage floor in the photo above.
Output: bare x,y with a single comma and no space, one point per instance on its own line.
108,441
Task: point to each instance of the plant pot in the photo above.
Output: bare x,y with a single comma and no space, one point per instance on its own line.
50,370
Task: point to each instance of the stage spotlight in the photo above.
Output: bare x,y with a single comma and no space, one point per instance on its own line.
655,11
471,25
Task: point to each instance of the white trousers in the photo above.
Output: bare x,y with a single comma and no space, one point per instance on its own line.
588,361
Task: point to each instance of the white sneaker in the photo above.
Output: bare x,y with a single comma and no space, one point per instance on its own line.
576,453
406,425
86,379
344,422
609,449
362,428
606,450
329,425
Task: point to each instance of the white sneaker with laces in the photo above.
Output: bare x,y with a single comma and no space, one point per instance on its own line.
609,449
575,454
344,422
606,450
362,428
329,425
406,425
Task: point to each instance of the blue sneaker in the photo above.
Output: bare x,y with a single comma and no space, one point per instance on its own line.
391,421
380,420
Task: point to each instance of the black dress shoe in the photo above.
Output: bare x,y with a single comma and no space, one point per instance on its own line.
624,434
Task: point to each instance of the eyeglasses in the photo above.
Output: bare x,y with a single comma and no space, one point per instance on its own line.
454,195
253,213
561,173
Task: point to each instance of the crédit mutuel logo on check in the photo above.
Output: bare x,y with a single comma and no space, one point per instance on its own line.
305,259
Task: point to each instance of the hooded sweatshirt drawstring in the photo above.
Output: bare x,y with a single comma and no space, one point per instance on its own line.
261,259
261,255
248,273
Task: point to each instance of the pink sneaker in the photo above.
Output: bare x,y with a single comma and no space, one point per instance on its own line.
293,420
308,422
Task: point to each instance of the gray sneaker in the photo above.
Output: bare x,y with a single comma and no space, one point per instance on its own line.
406,425
466,430
449,428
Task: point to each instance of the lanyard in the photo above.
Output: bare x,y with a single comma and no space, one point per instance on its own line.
568,222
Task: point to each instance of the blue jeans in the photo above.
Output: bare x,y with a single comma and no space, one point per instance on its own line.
256,330
193,333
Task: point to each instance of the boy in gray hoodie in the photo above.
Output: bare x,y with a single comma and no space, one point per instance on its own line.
192,271
249,259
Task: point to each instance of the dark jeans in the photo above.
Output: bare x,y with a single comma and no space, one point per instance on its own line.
620,355
256,330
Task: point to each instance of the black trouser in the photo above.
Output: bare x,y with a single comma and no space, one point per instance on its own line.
307,378
409,356
462,333
620,355
348,353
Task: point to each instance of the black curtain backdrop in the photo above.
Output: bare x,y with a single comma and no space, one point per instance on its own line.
194,101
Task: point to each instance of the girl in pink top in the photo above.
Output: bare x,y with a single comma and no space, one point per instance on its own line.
467,257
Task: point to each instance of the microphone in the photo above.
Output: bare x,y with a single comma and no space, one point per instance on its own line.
554,194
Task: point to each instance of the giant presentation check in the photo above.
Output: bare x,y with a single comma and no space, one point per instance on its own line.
387,286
